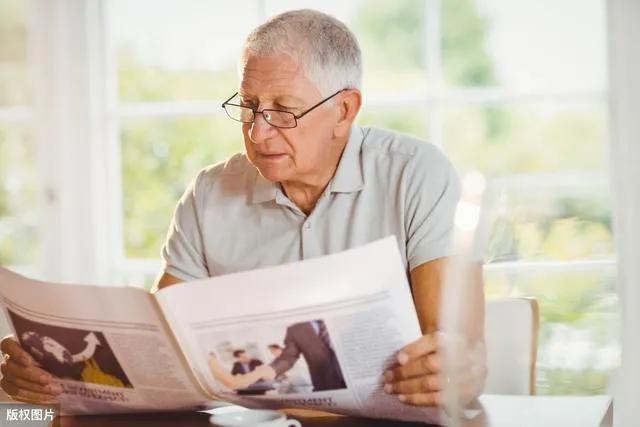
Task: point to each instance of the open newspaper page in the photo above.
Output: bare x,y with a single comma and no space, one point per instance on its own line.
314,334
109,346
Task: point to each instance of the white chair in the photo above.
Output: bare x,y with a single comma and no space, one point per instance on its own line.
511,334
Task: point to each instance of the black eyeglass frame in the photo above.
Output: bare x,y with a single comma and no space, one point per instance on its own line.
295,118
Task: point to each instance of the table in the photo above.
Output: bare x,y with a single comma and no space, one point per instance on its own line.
492,411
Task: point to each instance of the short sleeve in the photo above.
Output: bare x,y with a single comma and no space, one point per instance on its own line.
183,251
432,195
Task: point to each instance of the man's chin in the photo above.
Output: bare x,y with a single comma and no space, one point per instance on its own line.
273,174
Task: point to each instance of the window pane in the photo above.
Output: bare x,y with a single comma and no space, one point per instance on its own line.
14,76
550,221
578,345
160,157
183,50
503,139
544,45
391,36
407,120
19,202
142,277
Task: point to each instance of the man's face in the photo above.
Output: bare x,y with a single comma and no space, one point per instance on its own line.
244,358
296,155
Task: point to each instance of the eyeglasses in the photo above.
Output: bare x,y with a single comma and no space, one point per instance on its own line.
276,118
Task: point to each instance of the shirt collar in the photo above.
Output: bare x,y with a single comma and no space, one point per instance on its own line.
263,189
347,179
348,176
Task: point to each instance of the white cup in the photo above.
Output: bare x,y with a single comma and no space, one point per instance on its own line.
253,418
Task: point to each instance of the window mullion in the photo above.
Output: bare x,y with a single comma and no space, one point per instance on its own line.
433,52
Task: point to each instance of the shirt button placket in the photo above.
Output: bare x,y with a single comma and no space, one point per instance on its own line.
307,240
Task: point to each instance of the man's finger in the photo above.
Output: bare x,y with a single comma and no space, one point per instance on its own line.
424,384
34,397
51,389
420,347
9,346
428,364
32,373
422,399
8,386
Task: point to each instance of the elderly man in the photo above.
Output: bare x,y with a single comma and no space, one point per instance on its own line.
311,183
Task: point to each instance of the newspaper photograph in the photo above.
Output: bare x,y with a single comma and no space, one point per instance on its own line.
296,358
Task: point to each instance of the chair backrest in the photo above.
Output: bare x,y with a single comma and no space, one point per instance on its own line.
511,334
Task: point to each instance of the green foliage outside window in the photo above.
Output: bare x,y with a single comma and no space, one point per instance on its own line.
19,233
14,73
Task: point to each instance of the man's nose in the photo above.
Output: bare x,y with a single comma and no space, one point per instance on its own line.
260,129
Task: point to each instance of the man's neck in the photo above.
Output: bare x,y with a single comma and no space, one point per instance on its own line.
305,194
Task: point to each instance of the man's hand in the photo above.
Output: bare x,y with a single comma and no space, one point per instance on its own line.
265,372
22,380
419,378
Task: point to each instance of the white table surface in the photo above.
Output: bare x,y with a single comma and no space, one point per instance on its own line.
546,411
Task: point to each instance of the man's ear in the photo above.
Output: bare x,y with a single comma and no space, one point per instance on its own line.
350,102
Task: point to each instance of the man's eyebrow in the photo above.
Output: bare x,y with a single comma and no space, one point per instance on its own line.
279,99
289,98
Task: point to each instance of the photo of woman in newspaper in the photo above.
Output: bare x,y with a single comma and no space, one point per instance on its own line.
69,353
306,343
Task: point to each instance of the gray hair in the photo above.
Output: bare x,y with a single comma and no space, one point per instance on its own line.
327,49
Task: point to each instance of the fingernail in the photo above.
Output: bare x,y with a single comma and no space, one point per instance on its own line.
402,397
403,358
44,379
388,388
388,375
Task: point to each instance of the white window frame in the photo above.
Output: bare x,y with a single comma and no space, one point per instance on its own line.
624,69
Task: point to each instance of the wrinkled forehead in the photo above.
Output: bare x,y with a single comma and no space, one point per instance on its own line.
267,77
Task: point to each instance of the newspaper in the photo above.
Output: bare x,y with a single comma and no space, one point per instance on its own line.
315,334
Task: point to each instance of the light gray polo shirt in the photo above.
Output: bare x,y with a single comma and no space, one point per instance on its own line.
232,219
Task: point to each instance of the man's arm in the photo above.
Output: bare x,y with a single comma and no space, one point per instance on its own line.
426,284
286,360
163,280
419,377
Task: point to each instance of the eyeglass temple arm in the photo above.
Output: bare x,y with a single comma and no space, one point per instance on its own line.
317,105
230,98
